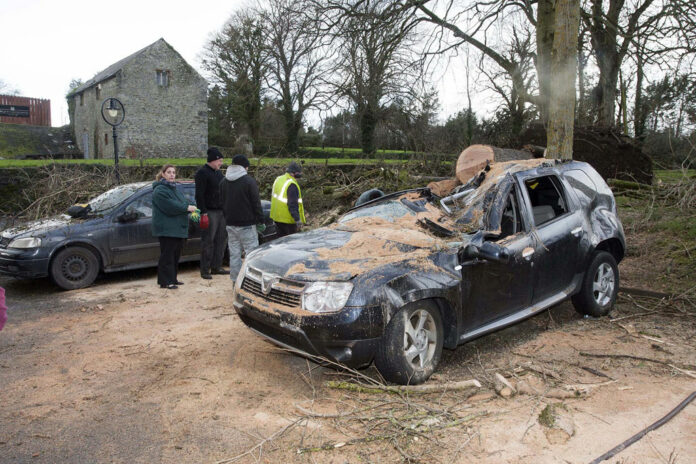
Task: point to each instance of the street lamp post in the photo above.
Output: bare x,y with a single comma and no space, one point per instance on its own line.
113,113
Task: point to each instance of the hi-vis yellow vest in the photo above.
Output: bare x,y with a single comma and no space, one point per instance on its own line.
279,201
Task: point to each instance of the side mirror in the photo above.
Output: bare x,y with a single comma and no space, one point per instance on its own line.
488,250
127,216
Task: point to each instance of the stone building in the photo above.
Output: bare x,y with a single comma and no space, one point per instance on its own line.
165,102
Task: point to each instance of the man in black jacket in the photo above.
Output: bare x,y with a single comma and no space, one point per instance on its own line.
208,200
241,206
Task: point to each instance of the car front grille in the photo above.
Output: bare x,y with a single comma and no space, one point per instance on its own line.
284,292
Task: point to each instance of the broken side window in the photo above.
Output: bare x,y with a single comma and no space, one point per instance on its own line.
546,199
510,222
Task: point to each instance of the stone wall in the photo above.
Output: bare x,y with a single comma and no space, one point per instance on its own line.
161,121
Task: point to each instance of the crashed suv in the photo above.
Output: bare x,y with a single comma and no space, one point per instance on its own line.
398,278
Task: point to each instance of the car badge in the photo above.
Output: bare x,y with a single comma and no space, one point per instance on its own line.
267,282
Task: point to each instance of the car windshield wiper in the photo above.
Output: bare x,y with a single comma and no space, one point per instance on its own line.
435,228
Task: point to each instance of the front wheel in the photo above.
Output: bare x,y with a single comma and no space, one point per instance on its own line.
599,286
411,346
74,267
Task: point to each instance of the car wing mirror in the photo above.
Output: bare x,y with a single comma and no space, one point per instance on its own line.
490,251
127,216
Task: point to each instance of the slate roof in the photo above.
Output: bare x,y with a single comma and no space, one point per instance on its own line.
113,69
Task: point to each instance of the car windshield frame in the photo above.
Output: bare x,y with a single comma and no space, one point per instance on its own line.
113,197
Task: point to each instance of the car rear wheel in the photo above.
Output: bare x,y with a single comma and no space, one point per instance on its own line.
599,287
74,267
412,344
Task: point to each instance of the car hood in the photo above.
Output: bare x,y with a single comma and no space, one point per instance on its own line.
343,251
41,226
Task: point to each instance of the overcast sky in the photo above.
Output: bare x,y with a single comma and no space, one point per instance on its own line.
47,43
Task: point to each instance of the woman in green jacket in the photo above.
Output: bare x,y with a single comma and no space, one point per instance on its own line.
170,224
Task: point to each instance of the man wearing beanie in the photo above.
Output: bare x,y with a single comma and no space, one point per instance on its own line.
208,201
241,206
287,210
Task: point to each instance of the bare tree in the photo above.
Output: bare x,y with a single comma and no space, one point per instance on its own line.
297,63
236,58
513,108
376,64
554,23
613,28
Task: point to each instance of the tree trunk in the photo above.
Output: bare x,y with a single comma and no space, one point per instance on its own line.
368,124
545,41
639,113
290,130
623,111
564,69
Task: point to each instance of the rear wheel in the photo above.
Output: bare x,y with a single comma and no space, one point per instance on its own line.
599,287
74,267
412,344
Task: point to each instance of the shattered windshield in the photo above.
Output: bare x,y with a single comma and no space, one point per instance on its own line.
388,210
113,197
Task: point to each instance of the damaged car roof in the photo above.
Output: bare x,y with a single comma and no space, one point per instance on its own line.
382,231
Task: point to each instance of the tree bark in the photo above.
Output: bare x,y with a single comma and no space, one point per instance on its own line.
546,14
564,69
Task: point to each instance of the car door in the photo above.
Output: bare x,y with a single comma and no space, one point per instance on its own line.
558,229
493,290
192,246
131,242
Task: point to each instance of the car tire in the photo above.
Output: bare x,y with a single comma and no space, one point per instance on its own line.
74,267
411,346
600,286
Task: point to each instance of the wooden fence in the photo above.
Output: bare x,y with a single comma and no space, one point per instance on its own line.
25,110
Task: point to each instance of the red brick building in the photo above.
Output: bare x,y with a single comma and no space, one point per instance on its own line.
25,110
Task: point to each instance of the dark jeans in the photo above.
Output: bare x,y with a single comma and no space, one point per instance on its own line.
170,251
213,242
284,229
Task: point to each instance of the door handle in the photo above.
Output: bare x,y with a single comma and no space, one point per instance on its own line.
527,253
576,232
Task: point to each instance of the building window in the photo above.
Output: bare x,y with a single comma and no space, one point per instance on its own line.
82,99
162,78
106,138
97,91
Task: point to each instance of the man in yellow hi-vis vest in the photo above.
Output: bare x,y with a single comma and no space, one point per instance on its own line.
287,210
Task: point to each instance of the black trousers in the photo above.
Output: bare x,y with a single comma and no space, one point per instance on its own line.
213,242
284,229
170,251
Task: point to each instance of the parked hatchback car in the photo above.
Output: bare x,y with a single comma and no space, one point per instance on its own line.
112,234
398,278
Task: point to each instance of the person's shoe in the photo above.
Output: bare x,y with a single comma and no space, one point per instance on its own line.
169,286
178,282
206,276
220,271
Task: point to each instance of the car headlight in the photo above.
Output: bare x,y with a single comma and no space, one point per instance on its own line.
27,242
326,297
240,276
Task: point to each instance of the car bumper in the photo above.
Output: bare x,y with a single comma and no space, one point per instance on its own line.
349,337
20,263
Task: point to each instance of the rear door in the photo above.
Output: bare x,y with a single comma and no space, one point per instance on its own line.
558,229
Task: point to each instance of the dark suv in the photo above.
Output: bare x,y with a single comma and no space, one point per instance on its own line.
113,234
400,277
